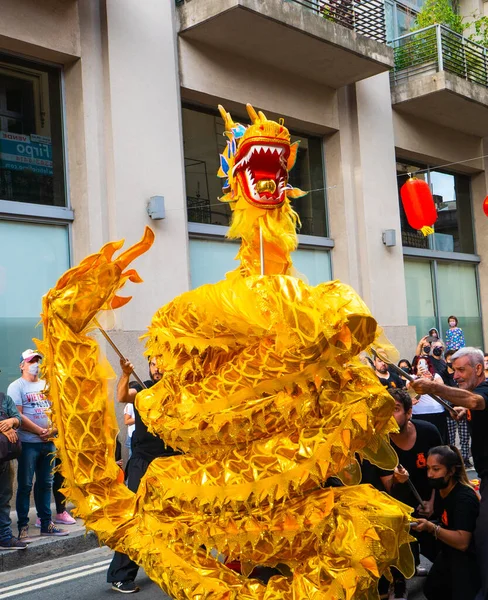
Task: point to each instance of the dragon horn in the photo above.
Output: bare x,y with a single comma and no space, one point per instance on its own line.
137,249
253,115
228,122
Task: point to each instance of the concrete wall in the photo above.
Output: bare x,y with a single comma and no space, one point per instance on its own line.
428,142
211,77
47,29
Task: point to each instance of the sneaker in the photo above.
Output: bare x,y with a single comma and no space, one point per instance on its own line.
12,544
421,571
38,523
24,535
398,590
52,530
64,518
125,587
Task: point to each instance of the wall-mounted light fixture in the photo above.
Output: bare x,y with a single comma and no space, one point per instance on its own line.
155,208
389,237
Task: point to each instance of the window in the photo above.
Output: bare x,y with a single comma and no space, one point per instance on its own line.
32,257
452,197
210,260
400,17
203,141
437,289
31,141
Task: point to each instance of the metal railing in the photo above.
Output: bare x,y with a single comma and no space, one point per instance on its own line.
365,17
438,48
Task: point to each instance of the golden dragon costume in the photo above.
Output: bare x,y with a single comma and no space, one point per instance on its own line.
264,392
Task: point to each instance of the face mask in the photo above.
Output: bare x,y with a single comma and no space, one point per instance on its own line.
426,349
438,483
437,351
452,323
33,369
407,369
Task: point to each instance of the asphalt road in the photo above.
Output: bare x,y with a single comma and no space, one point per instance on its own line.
82,577
78,577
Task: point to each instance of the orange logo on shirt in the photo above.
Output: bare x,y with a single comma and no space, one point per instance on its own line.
444,519
421,462
468,415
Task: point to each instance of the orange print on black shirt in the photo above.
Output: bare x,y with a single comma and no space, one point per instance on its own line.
444,519
421,462
468,415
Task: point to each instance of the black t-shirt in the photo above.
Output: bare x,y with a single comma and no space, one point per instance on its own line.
392,380
440,367
457,511
144,444
478,426
415,462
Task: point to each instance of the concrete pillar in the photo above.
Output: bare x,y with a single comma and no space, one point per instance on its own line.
479,190
361,164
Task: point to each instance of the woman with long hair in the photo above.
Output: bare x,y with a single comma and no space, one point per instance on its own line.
454,574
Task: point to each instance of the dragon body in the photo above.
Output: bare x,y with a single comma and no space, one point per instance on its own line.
264,393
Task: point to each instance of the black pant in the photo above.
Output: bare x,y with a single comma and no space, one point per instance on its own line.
481,539
58,483
122,568
453,576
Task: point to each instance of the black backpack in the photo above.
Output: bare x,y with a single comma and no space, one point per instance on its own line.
8,450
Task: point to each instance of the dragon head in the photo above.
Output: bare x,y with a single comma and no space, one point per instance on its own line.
255,165
256,161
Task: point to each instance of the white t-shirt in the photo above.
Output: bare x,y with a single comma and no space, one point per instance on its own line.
426,404
29,395
129,410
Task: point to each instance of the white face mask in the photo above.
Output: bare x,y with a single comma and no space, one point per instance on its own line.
33,369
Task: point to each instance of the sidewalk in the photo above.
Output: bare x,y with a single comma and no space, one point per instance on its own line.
46,548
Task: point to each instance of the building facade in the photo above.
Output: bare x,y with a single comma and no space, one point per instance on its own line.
105,104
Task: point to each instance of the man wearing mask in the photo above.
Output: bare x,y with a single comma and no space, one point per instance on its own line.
145,448
470,395
438,362
37,449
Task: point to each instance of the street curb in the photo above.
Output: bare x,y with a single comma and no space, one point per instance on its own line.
48,548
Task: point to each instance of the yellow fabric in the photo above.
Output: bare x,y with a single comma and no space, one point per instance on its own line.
264,391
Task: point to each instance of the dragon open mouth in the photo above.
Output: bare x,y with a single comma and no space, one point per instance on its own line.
263,174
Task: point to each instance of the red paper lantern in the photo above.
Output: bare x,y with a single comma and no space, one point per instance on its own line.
418,204
485,206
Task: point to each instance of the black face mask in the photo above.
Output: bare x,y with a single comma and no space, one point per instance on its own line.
426,349
407,369
438,483
437,351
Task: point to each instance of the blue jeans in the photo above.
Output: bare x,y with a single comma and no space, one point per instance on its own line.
6,487
38,459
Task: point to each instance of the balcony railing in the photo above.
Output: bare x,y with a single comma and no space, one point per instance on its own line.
366,17
438,48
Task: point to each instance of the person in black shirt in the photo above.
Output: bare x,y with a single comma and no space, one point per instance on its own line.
437,360
454,574
390,380
412,445
470,400
145,448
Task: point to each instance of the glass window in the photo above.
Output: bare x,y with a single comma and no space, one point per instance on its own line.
32,257
203,141
458,295
452,197
420,296
210,260
31,141
454,286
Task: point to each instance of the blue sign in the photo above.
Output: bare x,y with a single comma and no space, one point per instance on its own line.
26,152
